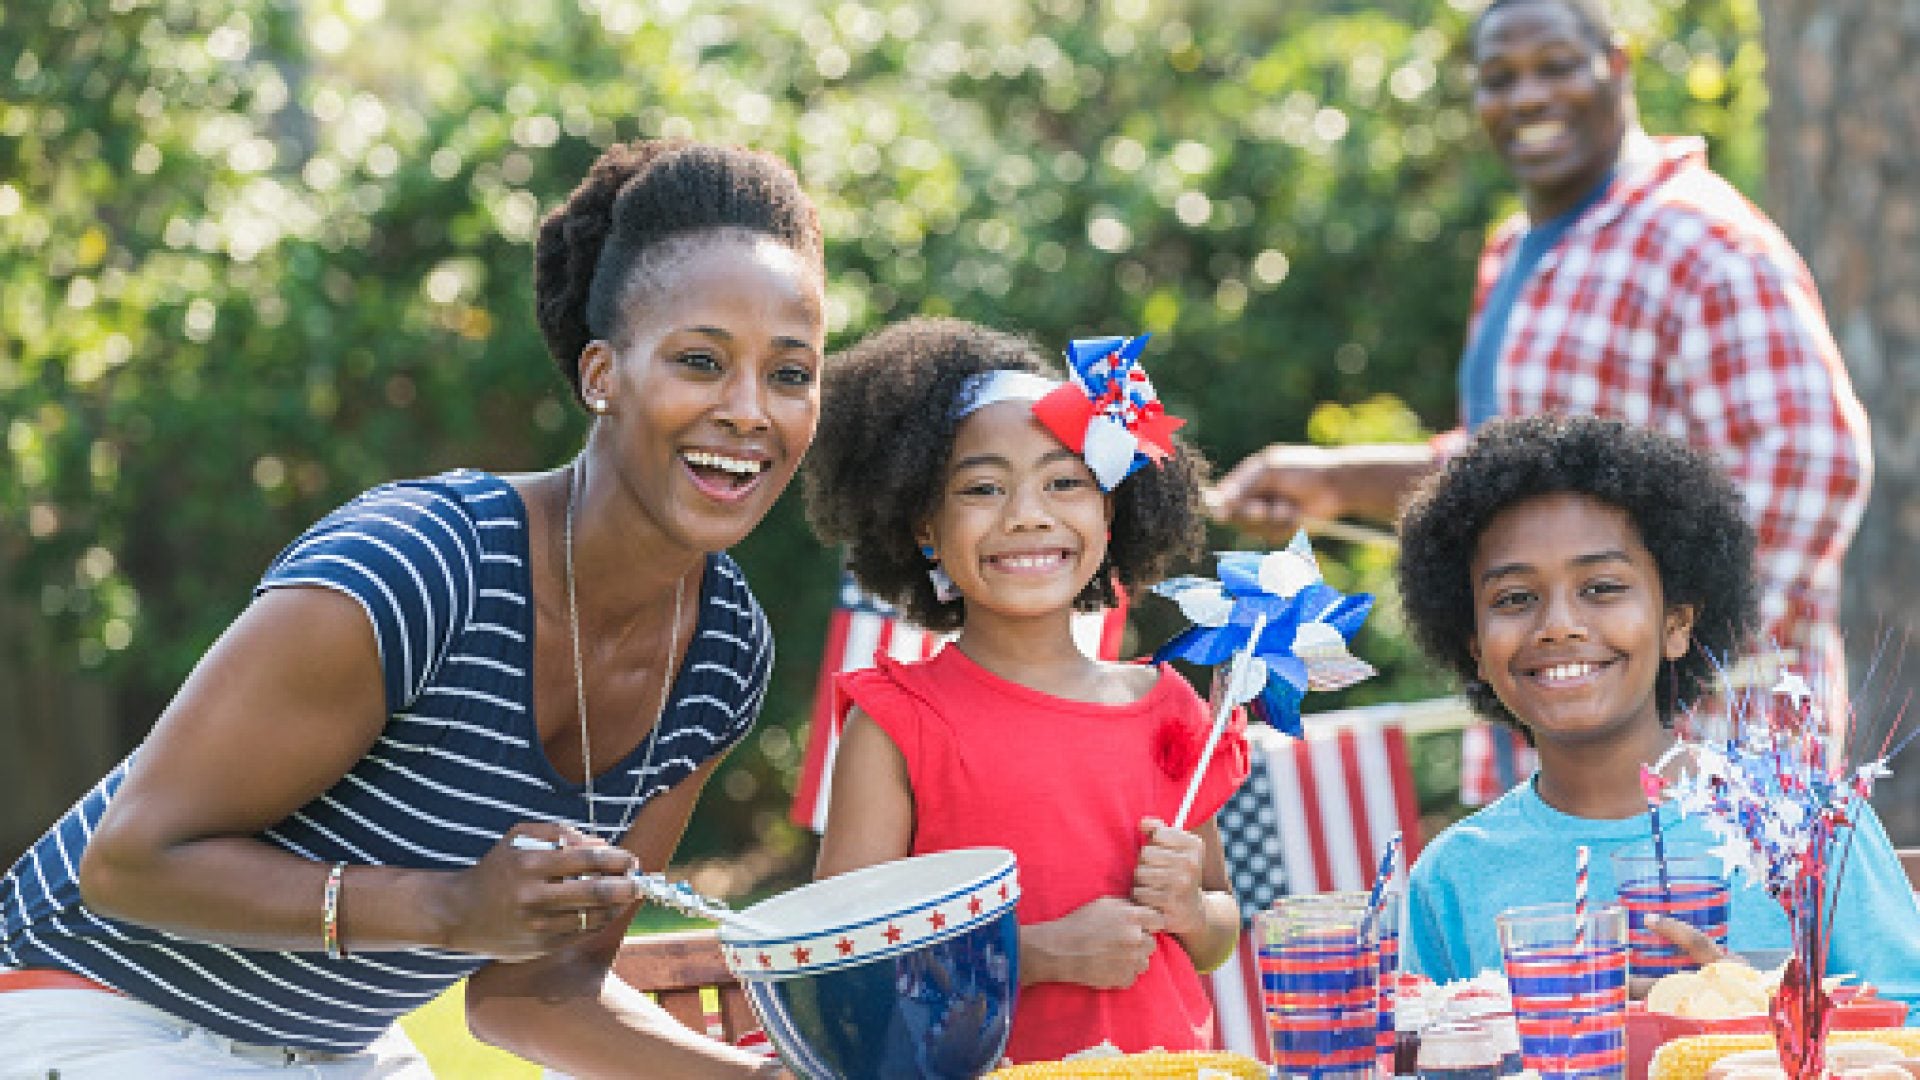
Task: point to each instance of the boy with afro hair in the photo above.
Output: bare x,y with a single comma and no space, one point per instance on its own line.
1584,577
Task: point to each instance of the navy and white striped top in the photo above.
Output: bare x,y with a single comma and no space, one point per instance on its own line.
440,566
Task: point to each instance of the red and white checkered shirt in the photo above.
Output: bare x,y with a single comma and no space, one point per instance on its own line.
1675,303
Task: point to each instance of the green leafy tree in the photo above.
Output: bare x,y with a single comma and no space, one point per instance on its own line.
257,255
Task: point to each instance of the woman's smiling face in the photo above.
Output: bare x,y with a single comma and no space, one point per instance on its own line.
1022,525
1571,622
713,396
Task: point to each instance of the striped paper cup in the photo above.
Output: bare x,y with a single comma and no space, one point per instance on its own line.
1693,891
1568,974
1388,934
1319,981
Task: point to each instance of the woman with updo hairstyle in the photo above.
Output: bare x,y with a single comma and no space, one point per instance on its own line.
460,710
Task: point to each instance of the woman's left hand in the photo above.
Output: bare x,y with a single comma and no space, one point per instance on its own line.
1167,878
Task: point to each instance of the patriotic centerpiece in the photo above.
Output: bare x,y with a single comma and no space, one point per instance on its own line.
1778,792
1279,629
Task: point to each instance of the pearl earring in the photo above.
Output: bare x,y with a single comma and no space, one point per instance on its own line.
943,587
598,405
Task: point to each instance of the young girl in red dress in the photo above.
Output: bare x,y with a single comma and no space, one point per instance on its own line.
959,506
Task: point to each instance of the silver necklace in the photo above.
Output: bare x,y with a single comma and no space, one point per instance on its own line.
580,678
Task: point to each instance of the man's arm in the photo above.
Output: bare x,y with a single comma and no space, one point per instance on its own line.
1275,491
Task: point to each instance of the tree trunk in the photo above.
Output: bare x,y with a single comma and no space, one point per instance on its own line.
1843,180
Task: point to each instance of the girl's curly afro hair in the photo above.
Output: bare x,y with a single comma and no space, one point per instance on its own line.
879,462
1686,509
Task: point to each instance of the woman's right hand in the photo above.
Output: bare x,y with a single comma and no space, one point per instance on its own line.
519,902
1105,944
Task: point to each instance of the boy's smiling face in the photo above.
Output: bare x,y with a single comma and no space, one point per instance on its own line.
1571,622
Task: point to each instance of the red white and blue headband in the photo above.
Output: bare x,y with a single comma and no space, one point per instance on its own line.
1108,414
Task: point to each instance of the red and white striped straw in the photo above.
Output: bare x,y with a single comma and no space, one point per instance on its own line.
1580,895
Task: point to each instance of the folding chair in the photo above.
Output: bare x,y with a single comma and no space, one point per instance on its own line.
1910,862
686,974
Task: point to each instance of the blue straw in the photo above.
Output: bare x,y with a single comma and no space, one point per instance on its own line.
1650,783
1659,849
1376,899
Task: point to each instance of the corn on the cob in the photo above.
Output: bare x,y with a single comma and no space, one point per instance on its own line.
1155,1063
1690,1058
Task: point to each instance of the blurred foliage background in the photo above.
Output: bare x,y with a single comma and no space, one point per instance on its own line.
256,255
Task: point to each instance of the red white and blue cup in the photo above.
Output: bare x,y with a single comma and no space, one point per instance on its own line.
1689,888
1568,973
1387,932
1320,985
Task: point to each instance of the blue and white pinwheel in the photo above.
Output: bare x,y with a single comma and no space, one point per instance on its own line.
1282,627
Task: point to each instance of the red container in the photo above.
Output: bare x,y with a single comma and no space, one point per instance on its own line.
1856,1008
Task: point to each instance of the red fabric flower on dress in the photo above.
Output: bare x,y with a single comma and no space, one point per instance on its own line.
1179,739
1176,746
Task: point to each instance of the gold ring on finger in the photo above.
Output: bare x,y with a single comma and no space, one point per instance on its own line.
583,921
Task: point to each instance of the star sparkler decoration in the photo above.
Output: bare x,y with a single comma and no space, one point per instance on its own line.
1781,800
1284,629
1773,783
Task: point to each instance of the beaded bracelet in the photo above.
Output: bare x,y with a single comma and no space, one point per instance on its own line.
330,914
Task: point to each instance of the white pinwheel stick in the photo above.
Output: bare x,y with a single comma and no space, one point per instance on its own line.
677,895
1240,669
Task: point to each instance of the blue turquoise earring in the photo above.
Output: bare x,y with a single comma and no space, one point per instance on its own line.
943,589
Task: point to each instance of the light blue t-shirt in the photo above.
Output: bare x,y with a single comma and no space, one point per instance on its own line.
1518,851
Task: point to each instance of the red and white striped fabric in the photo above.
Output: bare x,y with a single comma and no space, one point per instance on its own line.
1493,758
862,628
1314,816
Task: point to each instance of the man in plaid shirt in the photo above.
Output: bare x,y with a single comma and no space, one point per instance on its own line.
1637,284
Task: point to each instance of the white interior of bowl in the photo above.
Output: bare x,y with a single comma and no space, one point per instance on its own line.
871,894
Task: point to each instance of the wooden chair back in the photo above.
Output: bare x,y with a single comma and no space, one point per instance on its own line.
686,974
1910,862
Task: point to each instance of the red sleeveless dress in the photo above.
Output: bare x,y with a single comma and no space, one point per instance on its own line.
1063,784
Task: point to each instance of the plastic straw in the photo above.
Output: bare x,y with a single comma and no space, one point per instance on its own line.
1376,898
1659,849
1580,895
1651,784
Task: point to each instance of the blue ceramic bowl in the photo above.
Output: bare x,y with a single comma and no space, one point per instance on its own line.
905,969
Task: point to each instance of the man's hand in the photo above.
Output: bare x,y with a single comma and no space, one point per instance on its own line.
1273,492
1278,490
1687,938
